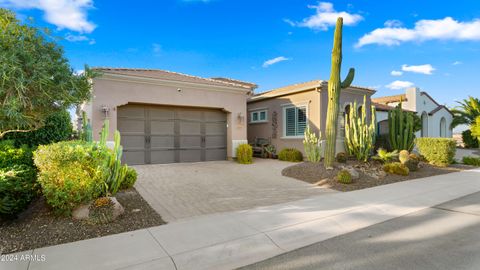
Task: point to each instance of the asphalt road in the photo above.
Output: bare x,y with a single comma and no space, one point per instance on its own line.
446,236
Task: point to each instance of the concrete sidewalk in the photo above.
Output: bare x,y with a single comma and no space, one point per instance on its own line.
231,240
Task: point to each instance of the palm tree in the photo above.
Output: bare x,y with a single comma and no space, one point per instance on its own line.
467,111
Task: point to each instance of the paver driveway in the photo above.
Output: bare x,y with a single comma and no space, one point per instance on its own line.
182,190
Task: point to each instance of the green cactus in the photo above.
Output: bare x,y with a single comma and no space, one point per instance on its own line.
359,134
312,146
401,129
86,134
334,88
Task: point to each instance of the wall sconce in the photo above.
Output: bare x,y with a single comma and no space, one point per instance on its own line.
105,110
240,118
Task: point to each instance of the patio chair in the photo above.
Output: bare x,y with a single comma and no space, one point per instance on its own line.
258,146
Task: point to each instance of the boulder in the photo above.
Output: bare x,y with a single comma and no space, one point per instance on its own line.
83,212
353,172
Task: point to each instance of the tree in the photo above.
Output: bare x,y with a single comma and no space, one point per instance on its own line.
35,78
475,128
334,88
466,113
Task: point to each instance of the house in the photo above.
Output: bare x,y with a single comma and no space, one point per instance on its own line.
166,117
436,118
281,115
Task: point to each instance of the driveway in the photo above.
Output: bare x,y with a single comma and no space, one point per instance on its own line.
183,190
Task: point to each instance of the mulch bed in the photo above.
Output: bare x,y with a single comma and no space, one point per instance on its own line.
315,173
38,227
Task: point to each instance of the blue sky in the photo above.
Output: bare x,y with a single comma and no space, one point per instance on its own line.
392,44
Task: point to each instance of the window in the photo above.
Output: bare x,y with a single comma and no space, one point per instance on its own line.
424,132
295,121
443,127
258,116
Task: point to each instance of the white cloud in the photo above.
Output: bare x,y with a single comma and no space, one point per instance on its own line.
393,23
65,14
156,48
422,69
396,85
442,29
325,17
275,61
456,63
396,73
75,38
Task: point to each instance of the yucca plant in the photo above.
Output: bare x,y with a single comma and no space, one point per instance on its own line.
384,156
359,134
312,146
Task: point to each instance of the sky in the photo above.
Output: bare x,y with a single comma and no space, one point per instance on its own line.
434,45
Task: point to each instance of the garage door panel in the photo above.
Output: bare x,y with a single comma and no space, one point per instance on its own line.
162,142
162,127
190,155
159,113
215,141
131,111
215,154
162,156
190,142
127,125
133,142
190,128
192,115
215,128
133,157
214,116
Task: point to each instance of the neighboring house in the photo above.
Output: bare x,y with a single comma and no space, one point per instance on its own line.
436,118
166,117
281,115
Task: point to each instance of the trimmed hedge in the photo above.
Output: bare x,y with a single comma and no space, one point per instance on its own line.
58,127
437,151
17,189
244,154
11,155
290,154
71,173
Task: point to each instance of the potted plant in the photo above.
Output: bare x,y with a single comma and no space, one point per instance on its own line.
270,151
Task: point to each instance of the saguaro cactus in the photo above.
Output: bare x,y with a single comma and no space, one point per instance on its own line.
334,88
400,128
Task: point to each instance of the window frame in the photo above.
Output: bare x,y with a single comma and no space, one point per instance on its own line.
297,108
258,112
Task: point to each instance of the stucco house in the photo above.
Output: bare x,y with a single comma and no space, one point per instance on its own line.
281,115
436,118
167,117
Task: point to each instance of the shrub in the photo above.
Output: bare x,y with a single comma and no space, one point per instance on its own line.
10,155
244,154
396,168
384,156
58,127
290,154
71,173
341,157
468,140
312,146
130,178
344,177
412,164
474,161
437,151
17,189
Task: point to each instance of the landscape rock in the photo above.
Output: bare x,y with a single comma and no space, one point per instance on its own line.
353,172
82,212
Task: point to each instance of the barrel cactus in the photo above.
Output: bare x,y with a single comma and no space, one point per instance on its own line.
334,88
401,129
403,156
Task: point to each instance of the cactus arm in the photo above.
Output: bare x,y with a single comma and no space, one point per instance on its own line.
349,79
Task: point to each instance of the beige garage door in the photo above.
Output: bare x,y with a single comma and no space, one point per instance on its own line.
162,134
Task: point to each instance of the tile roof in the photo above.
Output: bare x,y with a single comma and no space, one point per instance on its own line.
229,80
385,108
168,75
390,99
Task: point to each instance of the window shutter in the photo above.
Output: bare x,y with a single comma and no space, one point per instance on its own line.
290,129
301,120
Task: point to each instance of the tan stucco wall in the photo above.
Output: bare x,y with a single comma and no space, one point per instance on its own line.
116,92
317,111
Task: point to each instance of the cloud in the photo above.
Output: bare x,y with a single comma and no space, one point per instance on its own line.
275,61
393,23
442,29
396,73
157,49
422,69
456,63
79,38
396,85
325,17
65,14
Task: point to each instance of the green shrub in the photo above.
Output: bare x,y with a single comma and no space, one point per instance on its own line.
71,173
474,161
290,154
130,178
344,177
244,154
312,146
11,155
341,157
412,164
437,151
384,156
58,127
396,168
17,189
468,140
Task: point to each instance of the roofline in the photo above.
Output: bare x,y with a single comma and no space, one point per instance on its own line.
173,83
106,70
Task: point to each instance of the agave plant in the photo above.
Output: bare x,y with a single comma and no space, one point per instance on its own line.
384,156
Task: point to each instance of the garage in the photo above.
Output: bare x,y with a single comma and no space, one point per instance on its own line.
153,134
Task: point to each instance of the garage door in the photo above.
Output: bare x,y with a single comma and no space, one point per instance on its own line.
161,134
